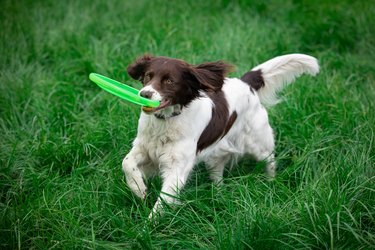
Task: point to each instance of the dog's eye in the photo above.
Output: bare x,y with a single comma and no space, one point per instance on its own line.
146,78
168,81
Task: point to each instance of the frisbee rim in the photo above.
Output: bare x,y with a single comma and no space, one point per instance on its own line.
122,90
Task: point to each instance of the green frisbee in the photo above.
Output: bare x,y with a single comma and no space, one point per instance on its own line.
122,90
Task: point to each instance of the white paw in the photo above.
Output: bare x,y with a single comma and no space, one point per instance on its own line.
138,188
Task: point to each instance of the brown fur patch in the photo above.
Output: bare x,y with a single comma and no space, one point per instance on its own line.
219,124
211,75
231,120
254,79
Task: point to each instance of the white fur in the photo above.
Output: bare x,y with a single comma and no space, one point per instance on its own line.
168,147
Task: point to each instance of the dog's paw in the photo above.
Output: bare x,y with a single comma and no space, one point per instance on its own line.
139,190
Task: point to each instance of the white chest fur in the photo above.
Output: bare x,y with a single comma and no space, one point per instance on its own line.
175,138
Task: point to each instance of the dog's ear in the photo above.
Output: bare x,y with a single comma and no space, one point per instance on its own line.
211,75
138,69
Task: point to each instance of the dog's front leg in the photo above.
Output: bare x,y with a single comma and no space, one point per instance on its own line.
174,177
133,173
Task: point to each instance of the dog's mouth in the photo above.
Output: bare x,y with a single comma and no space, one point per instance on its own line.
163,104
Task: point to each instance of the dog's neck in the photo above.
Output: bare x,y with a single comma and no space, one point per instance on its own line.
163,116
169,112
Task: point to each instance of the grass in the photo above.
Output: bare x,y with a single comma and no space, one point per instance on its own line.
63,139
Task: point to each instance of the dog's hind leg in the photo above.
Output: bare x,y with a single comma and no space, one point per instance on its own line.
261,145
268,157
131,166
270,166
266,154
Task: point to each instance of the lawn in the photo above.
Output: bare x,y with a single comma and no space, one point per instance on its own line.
62,139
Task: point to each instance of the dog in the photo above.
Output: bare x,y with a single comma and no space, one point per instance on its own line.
204,117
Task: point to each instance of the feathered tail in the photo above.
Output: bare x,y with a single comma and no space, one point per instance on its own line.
270,77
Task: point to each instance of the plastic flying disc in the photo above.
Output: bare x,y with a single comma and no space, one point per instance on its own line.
122,90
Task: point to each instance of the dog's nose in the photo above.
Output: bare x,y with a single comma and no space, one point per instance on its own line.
146,94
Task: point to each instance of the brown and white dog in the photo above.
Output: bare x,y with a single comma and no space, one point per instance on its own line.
204,117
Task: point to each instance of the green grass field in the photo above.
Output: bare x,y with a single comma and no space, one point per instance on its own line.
62,139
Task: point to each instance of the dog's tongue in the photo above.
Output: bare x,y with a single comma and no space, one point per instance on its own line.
162,105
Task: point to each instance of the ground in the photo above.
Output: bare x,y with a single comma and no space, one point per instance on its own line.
63,138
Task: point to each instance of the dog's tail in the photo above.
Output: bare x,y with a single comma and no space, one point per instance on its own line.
270,77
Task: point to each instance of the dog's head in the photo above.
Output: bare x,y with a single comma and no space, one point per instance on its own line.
174,82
